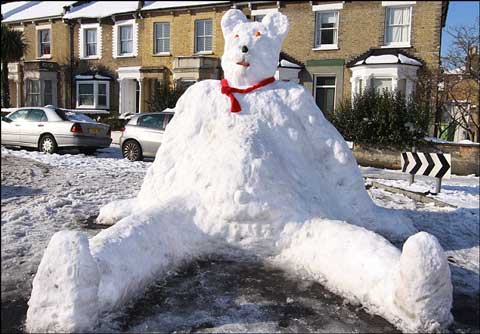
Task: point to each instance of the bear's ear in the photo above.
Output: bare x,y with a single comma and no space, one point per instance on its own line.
230,19
276,24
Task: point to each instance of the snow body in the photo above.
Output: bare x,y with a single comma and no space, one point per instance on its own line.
277,180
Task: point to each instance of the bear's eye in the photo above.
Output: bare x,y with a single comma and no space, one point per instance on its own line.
257,34
236,36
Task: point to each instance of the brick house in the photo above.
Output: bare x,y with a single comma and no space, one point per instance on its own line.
334,48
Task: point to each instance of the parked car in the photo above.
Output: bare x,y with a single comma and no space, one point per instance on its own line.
142,135
49,128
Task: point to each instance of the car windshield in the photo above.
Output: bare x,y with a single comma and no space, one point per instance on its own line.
73,116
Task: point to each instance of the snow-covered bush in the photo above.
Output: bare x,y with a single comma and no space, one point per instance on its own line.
383,118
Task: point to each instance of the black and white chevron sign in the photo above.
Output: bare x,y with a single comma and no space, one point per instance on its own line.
428,164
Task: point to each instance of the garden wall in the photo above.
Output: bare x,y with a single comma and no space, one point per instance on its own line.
465,157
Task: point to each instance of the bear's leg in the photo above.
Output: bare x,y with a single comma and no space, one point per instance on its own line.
365,268
65,289
422,285
77,279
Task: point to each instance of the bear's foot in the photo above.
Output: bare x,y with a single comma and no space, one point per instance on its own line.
65,289
423,288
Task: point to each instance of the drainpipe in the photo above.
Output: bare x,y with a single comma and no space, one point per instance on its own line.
72,53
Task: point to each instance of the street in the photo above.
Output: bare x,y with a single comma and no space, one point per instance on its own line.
42,194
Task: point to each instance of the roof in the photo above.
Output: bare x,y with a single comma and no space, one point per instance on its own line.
99,9
385,57
149,5
287,61
33,10
93,75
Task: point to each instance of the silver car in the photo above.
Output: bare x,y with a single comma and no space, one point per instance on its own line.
49,128
142,135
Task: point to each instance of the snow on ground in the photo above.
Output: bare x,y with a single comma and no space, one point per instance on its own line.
42,194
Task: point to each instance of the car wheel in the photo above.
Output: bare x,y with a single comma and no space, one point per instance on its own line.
47,144
132,151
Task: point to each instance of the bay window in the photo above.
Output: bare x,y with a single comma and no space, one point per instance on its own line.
33,93
93,94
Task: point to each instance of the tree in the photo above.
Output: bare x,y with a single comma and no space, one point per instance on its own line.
460,82
13,48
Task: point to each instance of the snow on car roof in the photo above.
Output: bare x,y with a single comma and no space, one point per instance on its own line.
29,10
97,9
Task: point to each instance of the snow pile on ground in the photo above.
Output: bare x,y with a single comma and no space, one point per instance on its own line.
276,180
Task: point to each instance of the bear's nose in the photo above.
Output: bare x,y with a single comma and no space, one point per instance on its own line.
244,49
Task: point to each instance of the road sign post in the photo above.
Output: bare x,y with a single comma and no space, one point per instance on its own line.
436,165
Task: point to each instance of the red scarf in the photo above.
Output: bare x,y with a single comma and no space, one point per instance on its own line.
227,90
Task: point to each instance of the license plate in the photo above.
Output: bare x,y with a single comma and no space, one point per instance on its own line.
94,131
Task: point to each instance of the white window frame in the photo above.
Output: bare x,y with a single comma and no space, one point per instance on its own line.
334,46
39,41
124,26
262,12
155,38
406,44
95,94
385,77
203,36
116,39
82,50
328,75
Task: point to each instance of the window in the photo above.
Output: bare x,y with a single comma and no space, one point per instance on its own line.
44,42
85,94
325,93
258,18
36,115
203,35
93,94
19,115
102,94
47,92
126,39
162,37
381,84
326,29
33,93
90,42
397,26
158,121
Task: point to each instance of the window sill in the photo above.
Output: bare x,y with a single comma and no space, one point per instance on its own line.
201,53
396,46
45,57
93,107
326,47
162,54
90,58
130,55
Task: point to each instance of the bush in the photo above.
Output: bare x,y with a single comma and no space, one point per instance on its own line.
116,124
382,118
165,96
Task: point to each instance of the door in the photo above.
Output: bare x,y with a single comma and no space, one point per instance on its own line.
151,133
11,129
34,126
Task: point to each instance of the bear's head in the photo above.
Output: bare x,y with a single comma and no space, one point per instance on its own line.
251,48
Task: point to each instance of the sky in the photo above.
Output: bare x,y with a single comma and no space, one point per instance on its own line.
459,13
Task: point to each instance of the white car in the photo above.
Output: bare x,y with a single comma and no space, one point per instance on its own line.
49,128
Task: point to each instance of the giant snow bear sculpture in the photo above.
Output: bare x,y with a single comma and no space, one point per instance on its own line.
261,170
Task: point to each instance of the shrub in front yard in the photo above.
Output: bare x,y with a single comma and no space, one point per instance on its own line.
385,118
